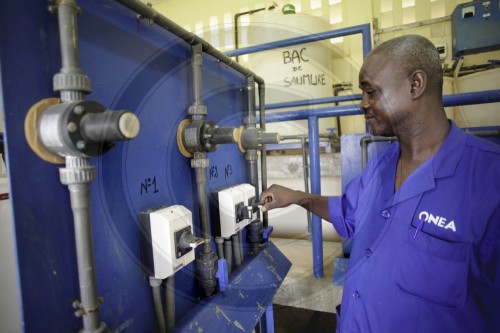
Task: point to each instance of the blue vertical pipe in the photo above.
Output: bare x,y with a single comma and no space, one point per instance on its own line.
367,39
367,46
316,233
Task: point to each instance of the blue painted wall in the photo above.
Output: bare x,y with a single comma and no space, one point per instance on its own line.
132,66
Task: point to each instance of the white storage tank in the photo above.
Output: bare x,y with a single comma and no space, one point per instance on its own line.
484,114
295,72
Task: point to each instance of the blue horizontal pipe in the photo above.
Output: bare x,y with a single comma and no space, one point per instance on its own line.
334,111
363,29
325,100
480,97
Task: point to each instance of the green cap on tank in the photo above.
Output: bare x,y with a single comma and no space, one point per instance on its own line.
288,9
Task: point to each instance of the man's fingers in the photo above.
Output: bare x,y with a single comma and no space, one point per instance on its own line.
265,200
267,206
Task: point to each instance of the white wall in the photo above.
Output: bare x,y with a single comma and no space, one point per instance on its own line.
9,295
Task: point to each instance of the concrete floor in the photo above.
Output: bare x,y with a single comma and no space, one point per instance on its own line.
300,289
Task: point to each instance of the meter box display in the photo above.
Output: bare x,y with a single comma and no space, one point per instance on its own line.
475,27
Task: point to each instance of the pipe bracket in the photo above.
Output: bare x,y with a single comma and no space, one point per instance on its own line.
82,311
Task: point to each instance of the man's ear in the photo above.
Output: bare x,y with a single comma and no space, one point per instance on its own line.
418,83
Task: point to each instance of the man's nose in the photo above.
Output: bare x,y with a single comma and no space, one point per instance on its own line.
364,105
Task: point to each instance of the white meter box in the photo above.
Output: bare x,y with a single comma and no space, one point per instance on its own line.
234,206
161,230
249,193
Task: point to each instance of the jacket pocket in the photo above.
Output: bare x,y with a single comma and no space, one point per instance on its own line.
433,269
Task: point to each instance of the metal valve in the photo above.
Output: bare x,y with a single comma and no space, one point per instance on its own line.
79,129
204,136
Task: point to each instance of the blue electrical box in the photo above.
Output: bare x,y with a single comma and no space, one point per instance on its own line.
475,27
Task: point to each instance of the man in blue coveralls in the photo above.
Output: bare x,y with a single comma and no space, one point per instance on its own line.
424,215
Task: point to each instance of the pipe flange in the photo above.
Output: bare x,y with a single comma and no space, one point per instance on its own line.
66,81
205,136
31,130
84,175
196,136
61,131
180,142
237,137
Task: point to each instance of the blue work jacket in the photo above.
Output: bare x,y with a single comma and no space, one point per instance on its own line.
427,257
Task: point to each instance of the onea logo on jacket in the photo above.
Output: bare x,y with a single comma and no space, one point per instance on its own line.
437,220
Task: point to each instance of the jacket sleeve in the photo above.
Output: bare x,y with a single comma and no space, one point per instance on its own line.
342,209
490,257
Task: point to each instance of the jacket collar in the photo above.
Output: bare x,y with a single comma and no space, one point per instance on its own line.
445,162
442,164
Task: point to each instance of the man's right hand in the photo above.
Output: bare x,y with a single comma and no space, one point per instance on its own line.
278,196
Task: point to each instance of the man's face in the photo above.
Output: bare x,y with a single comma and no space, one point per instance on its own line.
384,90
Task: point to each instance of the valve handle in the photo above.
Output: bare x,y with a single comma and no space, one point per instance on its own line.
266,233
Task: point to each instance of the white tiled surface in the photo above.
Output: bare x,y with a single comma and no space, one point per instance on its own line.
300,288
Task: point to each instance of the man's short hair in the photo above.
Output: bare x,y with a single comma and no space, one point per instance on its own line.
413,52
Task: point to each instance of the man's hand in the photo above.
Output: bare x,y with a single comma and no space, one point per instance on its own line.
278,196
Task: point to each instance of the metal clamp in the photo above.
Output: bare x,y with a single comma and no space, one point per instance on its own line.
81,311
